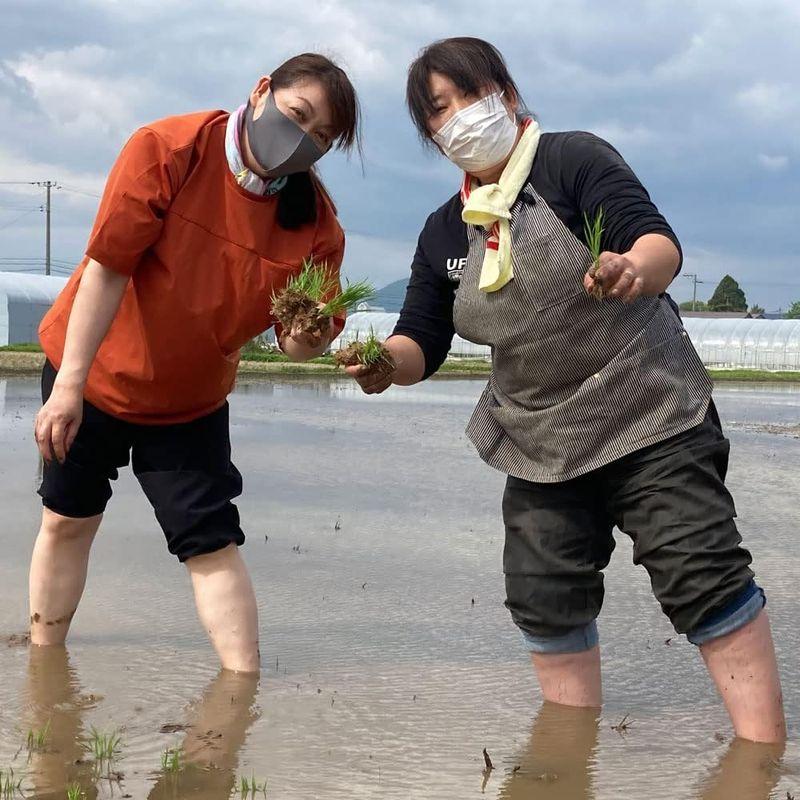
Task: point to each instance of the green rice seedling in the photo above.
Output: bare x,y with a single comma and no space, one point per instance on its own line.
38,738
250,787
593,233
348,298
10,785
104,746
370,354
171,761
314,281
74,792
297,305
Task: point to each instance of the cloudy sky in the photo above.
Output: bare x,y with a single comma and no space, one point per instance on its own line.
702,98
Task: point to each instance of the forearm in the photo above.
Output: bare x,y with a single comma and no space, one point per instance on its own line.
656,261
408,357
96,303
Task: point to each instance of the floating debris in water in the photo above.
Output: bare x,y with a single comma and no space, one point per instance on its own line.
173,727
623,725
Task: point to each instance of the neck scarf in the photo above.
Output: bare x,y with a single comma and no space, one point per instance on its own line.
245,177
490,207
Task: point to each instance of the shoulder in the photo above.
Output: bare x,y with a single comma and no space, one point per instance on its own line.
567,151
180,132
166,146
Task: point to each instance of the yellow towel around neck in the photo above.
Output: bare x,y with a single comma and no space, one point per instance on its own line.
490,207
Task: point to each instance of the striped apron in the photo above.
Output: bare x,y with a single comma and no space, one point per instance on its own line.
575,383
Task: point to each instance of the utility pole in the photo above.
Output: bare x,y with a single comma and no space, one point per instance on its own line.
48,185
695,281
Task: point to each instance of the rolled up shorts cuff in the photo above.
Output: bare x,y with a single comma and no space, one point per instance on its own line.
738,617
575,641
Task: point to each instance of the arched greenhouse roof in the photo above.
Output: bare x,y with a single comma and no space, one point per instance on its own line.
721,342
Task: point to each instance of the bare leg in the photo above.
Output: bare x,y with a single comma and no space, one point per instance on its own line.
743,667
570,679
58,574
226,605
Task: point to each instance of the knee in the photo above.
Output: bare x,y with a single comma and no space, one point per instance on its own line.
73,529
575,641
737,612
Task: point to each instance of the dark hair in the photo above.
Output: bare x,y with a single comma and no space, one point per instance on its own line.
472,64
297,201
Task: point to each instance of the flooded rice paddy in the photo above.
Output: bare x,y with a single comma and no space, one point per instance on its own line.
374,540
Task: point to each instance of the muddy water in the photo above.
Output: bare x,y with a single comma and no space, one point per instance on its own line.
382,678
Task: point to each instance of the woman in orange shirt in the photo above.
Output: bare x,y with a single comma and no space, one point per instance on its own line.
204,216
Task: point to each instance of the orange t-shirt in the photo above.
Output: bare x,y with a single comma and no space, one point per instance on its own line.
204,256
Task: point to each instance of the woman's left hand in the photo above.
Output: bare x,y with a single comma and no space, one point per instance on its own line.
618,276
302,346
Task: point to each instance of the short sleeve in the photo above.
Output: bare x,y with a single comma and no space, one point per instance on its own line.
596,176
138,192
427,313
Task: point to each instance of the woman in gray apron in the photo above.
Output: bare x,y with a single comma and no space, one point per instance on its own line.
598,410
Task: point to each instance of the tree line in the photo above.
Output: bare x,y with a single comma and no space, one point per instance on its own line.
729,296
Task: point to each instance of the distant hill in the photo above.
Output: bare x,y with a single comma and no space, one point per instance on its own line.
391,297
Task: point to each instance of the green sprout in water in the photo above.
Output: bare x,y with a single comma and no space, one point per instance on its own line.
37,739
104,746
250,787
593,233
10,785
171,761
74,792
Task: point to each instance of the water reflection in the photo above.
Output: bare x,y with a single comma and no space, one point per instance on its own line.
216,728
748,770
559,760
55,699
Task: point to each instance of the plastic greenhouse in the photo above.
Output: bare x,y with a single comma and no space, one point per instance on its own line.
24,300
722,343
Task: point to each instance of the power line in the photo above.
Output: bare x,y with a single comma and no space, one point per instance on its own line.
16,219
78,191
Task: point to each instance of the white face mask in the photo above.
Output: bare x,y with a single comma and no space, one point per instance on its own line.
479,136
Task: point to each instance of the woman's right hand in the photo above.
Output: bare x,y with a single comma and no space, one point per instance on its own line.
58,421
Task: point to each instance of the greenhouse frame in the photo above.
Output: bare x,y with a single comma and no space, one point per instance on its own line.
722,343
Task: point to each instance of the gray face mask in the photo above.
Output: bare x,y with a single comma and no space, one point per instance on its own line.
279,144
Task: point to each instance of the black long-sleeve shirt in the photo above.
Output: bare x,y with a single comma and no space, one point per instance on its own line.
575,173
